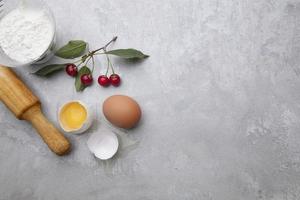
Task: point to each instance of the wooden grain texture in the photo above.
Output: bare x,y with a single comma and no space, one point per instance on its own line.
52,137
14,94
25,105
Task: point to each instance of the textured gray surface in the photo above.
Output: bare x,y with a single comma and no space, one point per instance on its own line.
220,97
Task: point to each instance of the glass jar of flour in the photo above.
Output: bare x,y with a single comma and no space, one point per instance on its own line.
27,32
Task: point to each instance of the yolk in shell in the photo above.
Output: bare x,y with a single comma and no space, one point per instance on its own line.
73,115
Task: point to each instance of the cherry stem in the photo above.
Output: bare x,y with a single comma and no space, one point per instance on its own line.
107,58
79,64
113,71
104,47
106,70
93,61
108,61
88,59
90,55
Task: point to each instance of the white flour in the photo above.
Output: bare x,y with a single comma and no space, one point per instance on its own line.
25,34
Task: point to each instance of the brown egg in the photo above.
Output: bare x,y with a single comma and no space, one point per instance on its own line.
122,111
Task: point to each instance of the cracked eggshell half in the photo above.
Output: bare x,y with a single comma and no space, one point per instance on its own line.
103,145
75,117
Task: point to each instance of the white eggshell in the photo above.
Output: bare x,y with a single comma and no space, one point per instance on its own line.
86,125
103,145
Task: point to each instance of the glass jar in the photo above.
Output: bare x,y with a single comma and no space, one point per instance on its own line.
8,6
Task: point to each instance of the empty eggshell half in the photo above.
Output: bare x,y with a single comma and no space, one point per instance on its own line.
103,145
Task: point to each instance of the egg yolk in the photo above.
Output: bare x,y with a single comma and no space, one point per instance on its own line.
73,115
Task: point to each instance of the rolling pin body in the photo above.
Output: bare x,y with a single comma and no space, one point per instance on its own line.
20,100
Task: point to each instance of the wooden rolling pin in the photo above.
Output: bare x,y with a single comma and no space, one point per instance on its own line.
26,106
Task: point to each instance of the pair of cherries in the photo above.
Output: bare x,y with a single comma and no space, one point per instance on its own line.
113,79
87,79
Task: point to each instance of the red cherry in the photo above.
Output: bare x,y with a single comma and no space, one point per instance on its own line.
115,79
86,79
103,80
71,69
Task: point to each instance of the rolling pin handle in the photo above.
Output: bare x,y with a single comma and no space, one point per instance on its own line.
51,136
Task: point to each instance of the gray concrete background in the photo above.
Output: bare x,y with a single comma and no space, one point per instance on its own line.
219,94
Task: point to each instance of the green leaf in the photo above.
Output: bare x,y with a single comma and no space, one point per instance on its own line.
73,49
127,53
50,69
78,85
